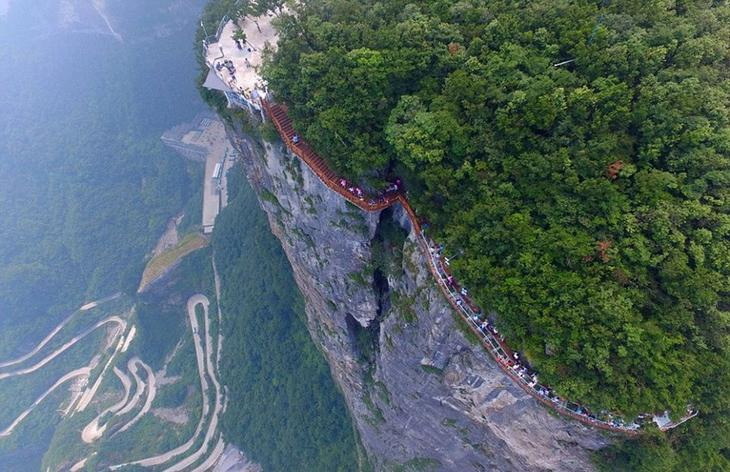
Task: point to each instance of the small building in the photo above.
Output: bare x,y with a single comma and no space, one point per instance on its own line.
218,171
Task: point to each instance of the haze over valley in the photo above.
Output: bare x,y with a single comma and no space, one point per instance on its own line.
364,235
112,352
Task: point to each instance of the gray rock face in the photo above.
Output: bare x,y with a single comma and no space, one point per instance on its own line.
421,394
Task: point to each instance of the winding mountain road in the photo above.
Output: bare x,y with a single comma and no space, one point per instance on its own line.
91,392
139,387
151,393
94,430
211,461
218,404
58,328
84,371
202,362
66,346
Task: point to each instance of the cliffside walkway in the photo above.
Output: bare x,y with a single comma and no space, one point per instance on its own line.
488,335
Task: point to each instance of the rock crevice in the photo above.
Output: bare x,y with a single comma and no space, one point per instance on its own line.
420,393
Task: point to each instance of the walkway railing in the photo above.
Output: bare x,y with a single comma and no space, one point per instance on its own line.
214,38
488,335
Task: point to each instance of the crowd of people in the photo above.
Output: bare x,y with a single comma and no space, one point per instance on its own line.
385,195
509,359
228,64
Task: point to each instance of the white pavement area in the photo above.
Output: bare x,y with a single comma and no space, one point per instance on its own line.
215,193
243,76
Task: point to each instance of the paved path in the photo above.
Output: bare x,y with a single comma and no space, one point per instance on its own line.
138,389
201,361
84,371
151,393
217,280
96,303
55,331
130,337
91,392
218,404
211,461
113,319
93,430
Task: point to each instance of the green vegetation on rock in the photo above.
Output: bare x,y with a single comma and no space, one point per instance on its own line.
285,410
573,156
86,185
163,262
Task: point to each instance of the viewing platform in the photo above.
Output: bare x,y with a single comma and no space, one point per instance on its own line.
234,55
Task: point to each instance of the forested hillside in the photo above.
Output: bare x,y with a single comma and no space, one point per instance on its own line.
86,186
573,156
285,410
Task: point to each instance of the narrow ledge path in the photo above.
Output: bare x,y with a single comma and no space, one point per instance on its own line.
468,311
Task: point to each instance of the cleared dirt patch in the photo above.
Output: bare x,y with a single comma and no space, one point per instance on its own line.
159,265
172,415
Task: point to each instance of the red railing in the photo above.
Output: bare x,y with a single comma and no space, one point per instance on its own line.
493,343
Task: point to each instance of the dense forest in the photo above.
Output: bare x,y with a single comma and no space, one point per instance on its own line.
573,157
285,410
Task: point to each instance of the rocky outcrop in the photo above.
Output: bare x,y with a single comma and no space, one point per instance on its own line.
420,392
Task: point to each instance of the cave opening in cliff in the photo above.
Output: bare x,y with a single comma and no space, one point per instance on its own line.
387,253
365,338
387,245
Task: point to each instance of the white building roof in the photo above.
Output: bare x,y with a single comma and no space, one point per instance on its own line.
213,82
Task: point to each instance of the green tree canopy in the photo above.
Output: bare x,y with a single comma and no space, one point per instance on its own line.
574,153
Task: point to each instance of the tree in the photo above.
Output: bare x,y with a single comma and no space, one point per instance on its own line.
239,37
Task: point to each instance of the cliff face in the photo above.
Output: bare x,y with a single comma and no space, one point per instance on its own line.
419,391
